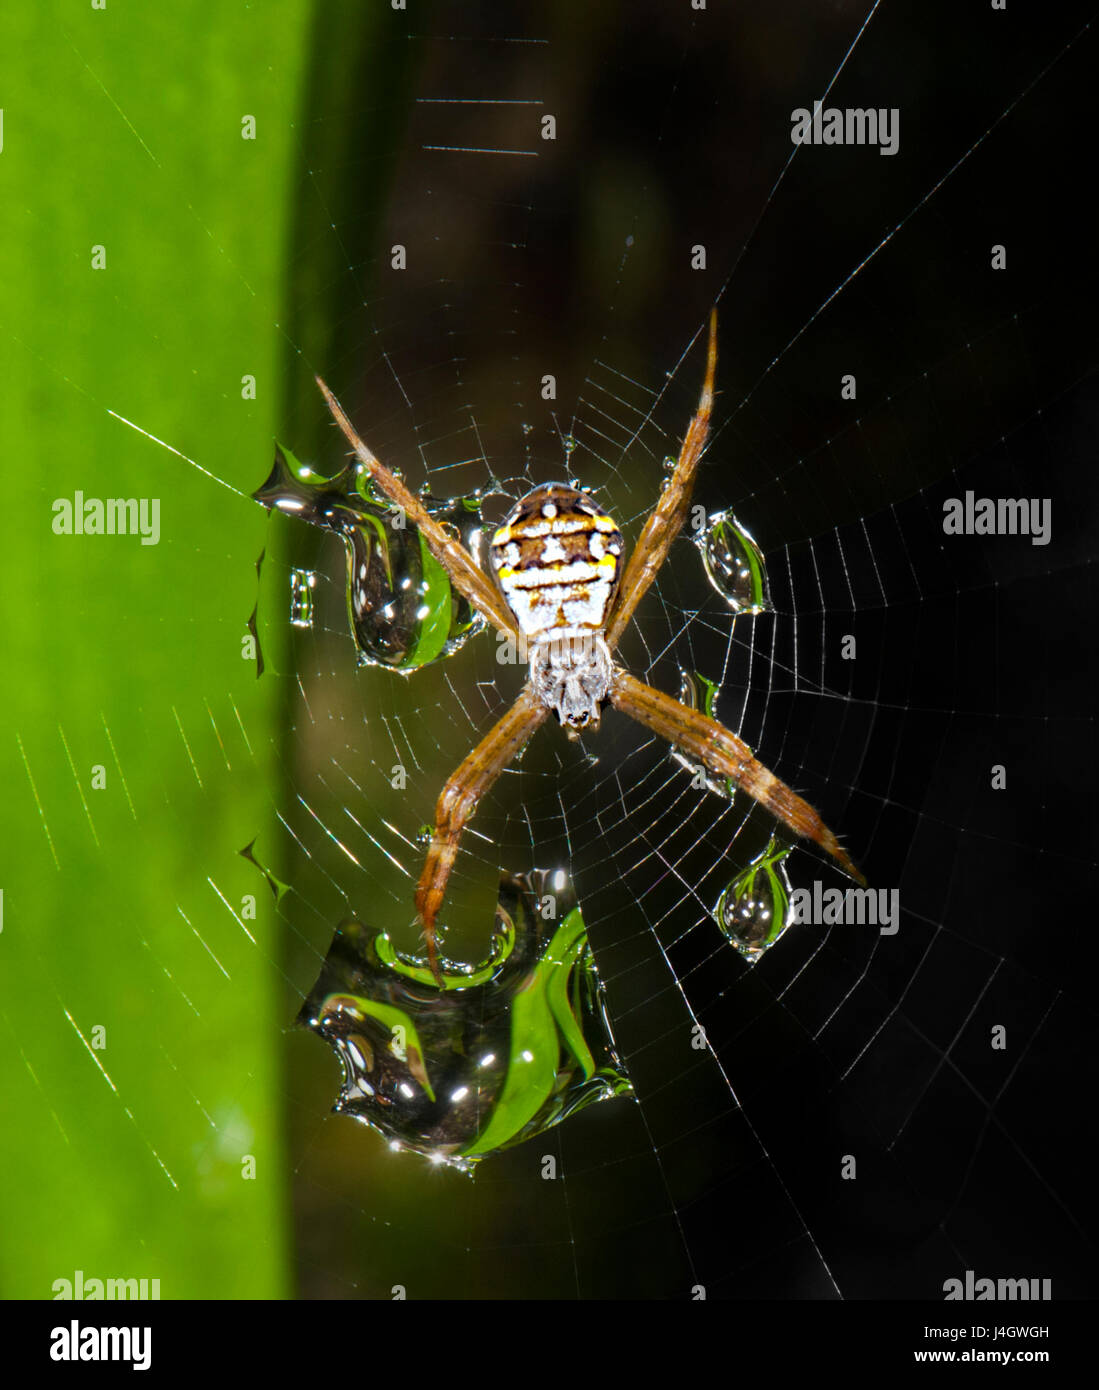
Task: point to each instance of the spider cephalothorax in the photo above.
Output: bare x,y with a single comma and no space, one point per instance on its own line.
556,559
563,593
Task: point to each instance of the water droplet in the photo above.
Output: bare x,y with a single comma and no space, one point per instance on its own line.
302,584
527,429
697,692
403,610
503,1052
734,564
668,464
754,909
569,443
424,834
276,885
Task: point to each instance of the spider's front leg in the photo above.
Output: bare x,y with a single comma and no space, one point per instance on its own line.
458,801
723,753
667,517
466,577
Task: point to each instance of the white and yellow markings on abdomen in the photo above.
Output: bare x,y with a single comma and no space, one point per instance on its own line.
556,558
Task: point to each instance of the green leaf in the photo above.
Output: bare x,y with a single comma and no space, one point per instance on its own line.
125,899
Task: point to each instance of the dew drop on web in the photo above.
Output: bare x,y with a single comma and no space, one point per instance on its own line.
402,608
698,692
734,564
302,584
754,908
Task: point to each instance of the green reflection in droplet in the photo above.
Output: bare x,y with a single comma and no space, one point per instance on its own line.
403,610
754,909
734,564
500,1053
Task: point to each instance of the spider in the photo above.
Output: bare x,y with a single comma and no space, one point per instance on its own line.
562,594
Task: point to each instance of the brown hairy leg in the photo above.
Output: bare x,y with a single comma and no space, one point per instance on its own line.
458,801
725,754
666,519
467,578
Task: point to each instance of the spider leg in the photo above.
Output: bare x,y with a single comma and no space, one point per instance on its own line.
722,752
667,517
467,578
458,801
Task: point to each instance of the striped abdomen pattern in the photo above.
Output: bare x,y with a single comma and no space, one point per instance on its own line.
557,558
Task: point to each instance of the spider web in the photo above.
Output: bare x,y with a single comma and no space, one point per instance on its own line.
572,258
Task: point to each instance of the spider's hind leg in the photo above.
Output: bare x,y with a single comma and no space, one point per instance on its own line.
723,753
458,801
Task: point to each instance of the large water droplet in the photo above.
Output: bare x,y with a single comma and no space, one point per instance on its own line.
302,584
503,1052
734,564
403,610
754,909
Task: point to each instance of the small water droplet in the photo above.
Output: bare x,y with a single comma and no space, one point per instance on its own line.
424,834
668,464
569,443
302,584
276,885
734,564
697,692
527,429
754,909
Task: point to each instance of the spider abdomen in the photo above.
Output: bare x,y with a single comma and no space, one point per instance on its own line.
557,558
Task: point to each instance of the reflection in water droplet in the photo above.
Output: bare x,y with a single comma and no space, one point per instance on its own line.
404,613
668,464
754,910
501,1053
734,564
302,584
696,692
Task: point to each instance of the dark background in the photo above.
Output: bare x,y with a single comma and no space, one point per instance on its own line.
673,128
